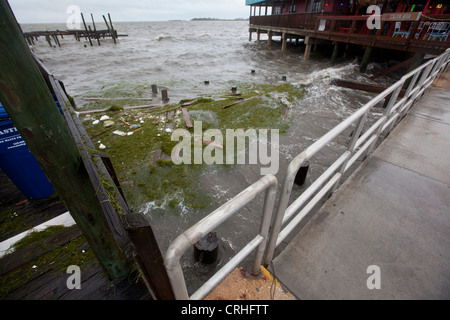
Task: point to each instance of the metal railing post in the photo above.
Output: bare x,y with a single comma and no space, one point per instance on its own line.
351,147
286,190
386,115
357,147
213,220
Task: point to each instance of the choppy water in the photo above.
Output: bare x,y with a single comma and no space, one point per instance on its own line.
180,56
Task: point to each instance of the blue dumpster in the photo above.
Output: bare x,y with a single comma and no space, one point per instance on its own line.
18,162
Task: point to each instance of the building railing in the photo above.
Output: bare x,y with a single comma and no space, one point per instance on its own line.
360,145
187,239
395,32
430,28
301,20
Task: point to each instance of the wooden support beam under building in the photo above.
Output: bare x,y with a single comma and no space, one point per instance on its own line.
365,59
395,67
308,42
362,86
284,41
335,53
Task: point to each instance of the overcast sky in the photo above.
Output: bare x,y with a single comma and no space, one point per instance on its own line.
47,11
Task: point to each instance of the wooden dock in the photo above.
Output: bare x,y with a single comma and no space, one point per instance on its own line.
38,271
89,33
117,254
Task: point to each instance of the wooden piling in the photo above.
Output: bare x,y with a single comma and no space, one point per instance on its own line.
87,31
308,42
149,257
335,53
27,99
164,95
113,32
95,30
186,117
55,37
365,59
284,41
47,37
410,61
109,29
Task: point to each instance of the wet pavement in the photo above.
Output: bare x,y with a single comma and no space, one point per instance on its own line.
384,233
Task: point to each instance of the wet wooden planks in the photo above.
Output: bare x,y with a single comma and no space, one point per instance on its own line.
14,205
51,284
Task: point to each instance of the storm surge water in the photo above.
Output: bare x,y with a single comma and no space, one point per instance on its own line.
180,56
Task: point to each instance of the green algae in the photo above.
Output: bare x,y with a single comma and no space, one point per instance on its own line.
76,252
167,185
36,236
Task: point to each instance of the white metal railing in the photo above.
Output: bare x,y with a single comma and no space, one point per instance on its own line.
419,80
360,144
187,239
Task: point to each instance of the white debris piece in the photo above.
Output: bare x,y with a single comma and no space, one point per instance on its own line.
103,118
119,133
102,146
95,122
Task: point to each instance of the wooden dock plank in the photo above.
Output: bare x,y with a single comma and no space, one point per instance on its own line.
19,214
187,119
34,250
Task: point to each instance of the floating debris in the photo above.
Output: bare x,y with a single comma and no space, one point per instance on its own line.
120,133
108,123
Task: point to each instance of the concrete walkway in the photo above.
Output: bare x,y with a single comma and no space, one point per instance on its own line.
393,212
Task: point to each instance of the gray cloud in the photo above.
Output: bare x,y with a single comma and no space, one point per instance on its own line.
35,11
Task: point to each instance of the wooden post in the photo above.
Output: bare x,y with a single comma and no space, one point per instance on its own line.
365,60
398,66
269,35
284,41
47,37
109,28
335,53
27,99
149,257
307,48
113,32
95,30
164,95
87,31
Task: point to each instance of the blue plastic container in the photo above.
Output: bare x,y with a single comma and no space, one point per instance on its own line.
18,162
